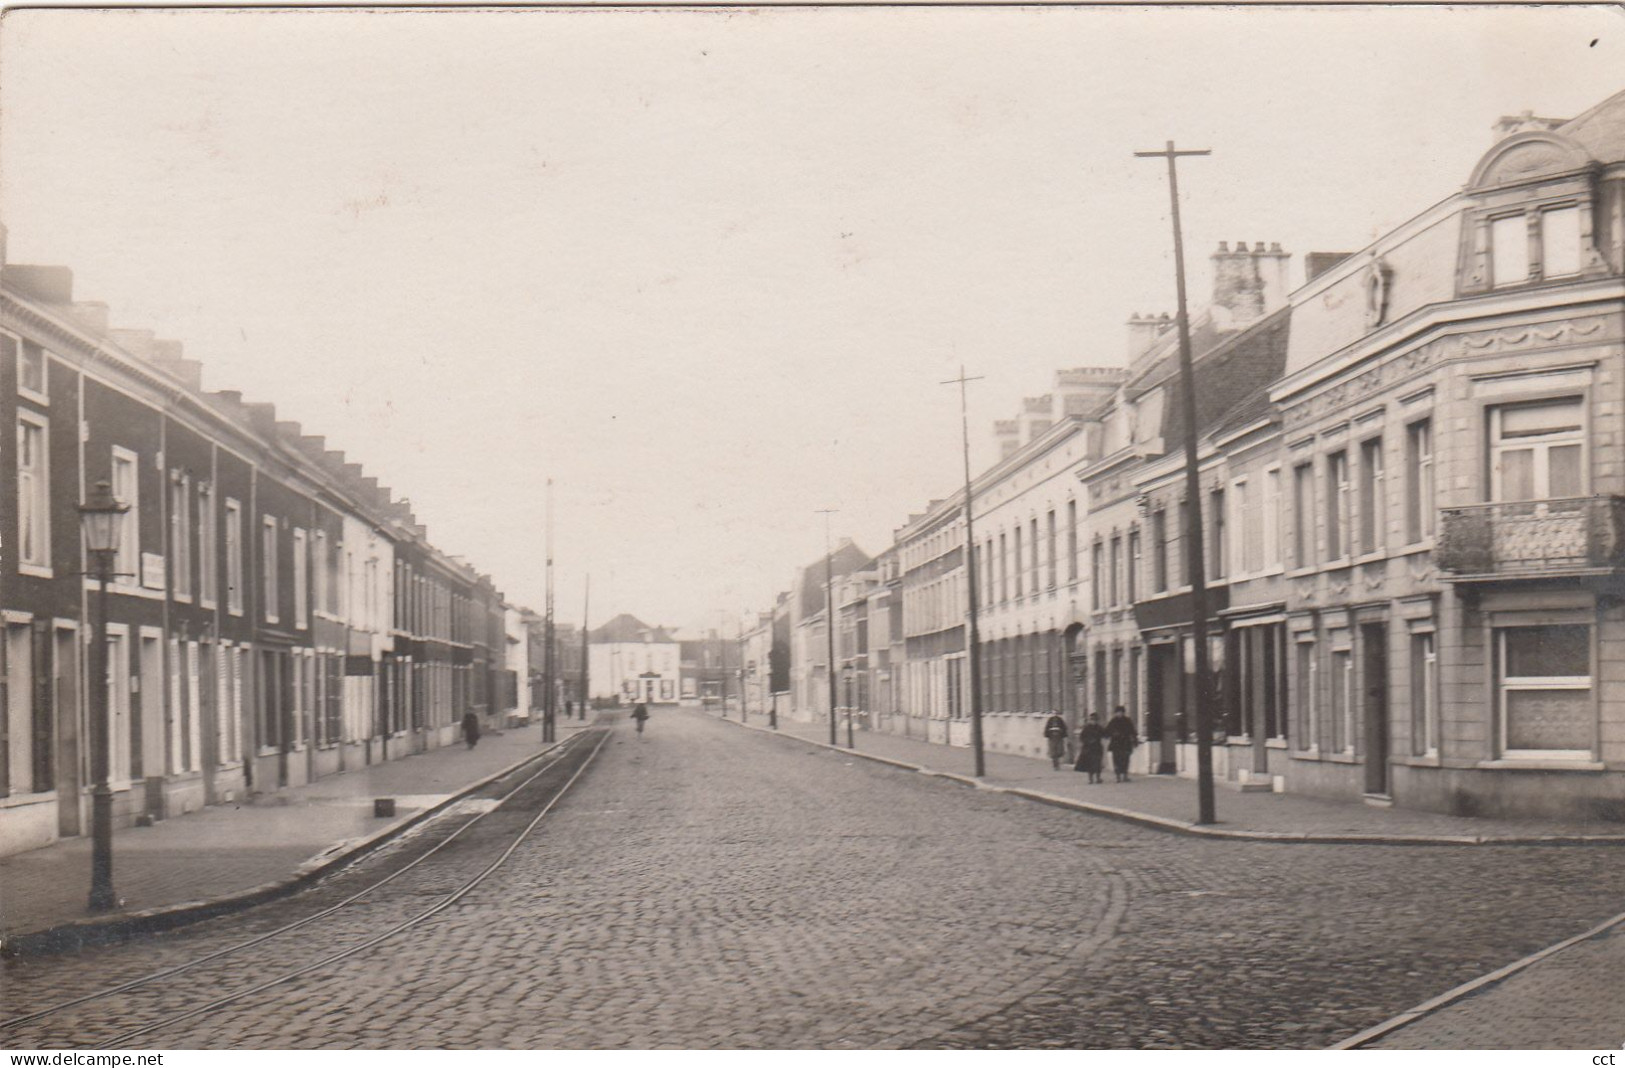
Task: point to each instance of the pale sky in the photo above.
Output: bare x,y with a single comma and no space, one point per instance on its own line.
706,269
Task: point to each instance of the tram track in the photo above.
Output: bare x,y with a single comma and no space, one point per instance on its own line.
481,844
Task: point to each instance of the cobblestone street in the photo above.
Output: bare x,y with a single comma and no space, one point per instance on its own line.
710,887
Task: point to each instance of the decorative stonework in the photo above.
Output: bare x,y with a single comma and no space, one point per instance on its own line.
1402,366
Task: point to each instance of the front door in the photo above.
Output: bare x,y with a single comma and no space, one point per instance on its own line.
1163,694
64,676
1374,650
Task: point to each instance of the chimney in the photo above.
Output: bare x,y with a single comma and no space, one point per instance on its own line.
1143,332
1248,284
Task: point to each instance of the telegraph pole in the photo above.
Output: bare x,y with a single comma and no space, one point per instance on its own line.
586,690
973,637
1193,507
548,726
829,618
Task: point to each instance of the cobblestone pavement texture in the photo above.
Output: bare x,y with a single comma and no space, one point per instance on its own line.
1174,798
1574,999
226,849
707,887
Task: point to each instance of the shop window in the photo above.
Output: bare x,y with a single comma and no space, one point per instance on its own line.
1544,682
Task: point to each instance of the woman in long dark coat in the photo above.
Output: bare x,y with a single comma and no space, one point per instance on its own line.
1091,748
471,729
1120,740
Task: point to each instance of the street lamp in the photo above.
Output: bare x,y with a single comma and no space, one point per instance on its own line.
102,517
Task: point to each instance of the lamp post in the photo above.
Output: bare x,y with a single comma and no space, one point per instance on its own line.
846,674
101,516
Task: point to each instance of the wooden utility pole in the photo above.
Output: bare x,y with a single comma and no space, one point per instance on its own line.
586,690
829,618
1193,507
973,651
548,726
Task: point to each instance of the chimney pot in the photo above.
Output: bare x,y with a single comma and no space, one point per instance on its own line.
1224,246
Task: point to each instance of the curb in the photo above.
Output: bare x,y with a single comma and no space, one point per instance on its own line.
1473,986
1196,830
78,934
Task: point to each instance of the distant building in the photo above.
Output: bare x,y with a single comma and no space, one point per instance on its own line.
632,661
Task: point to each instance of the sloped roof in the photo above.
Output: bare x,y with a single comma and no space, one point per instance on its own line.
1601,130
1226,375
846,559
629,628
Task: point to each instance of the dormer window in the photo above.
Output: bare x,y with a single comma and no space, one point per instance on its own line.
1509,250
1560,242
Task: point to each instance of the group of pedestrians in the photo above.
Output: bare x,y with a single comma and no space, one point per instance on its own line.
1094,742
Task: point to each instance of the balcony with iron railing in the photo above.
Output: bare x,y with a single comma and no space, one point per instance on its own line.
1569,536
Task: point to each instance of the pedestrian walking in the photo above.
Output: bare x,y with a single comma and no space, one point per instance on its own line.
640,712
1055,733
1121,740
471,729
1091,748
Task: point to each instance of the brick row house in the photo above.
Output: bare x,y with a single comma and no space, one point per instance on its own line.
277,615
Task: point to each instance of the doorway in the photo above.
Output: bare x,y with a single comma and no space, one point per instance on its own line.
1374,651
1164,686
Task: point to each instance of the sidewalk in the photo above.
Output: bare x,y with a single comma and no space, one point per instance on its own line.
1169,803
193,863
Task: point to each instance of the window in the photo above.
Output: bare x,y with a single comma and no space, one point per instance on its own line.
1159,550
1304,700
1115,581
1033,555
1132,593
1424,695
208,547
319,580
33,493
1247,545
1509,250
1303,510
1535,451
1097,595
234,557
1337,506
301,577
268,565
1419,504
1544,676
180,535
1218,540
1053,550
1371,490
1560,242
31,378
1072,541
126,487
1342,701
1016,560
1270,534
986,564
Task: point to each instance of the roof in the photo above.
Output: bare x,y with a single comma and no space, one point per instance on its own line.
1601,130
628,628
1229,374
845,559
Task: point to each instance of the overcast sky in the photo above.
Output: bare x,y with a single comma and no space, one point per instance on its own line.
706,269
